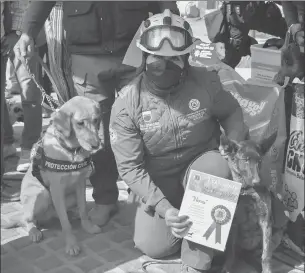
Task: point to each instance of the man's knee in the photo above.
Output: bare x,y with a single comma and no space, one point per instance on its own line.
151,235
156,250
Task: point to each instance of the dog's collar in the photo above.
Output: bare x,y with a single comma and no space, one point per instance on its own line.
73,151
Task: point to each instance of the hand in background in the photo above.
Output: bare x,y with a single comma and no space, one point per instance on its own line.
24,47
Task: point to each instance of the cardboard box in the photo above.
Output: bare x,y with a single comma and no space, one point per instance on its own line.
265,62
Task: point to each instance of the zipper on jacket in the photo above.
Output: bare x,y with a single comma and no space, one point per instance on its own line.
174,124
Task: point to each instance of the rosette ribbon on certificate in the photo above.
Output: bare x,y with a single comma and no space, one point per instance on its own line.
221,216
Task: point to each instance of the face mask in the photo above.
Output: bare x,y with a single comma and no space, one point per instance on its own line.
164,74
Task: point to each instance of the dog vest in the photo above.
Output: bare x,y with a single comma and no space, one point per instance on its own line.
41,161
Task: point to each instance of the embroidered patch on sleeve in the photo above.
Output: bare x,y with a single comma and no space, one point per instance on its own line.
113,135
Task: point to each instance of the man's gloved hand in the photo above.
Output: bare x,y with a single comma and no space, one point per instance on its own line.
24,47
179,225
8,42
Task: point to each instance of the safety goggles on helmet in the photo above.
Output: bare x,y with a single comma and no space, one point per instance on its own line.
154,38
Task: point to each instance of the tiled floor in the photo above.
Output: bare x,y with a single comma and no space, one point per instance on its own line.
108,251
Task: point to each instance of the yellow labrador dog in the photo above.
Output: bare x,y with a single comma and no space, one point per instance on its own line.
61,164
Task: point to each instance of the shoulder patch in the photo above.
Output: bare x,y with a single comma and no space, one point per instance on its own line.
113,135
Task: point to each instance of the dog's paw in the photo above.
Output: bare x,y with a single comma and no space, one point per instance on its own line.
35,235
72,247
91,228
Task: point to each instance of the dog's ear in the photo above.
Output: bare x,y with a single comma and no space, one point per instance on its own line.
227,146
62,122
266,143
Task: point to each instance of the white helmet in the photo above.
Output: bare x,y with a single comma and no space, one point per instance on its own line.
166,34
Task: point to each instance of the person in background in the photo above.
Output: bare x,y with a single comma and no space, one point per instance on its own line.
97,35
163,120
30,94
7,133
12,85
242,16
294,13
42,76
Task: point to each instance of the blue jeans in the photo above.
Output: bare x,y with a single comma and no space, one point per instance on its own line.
154,238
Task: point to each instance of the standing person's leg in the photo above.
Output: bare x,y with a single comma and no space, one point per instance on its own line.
7,134
43,77
94,77
197,258
12,86
46,83
32,111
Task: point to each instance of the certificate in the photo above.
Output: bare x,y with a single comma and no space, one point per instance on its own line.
210,202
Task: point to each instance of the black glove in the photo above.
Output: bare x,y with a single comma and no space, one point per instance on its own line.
277,42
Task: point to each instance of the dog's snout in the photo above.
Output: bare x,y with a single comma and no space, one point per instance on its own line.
256,179
95,147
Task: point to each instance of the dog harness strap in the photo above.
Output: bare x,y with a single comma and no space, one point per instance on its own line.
64,166
37,155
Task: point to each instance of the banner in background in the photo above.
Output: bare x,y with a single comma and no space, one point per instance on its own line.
293,188
264,113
